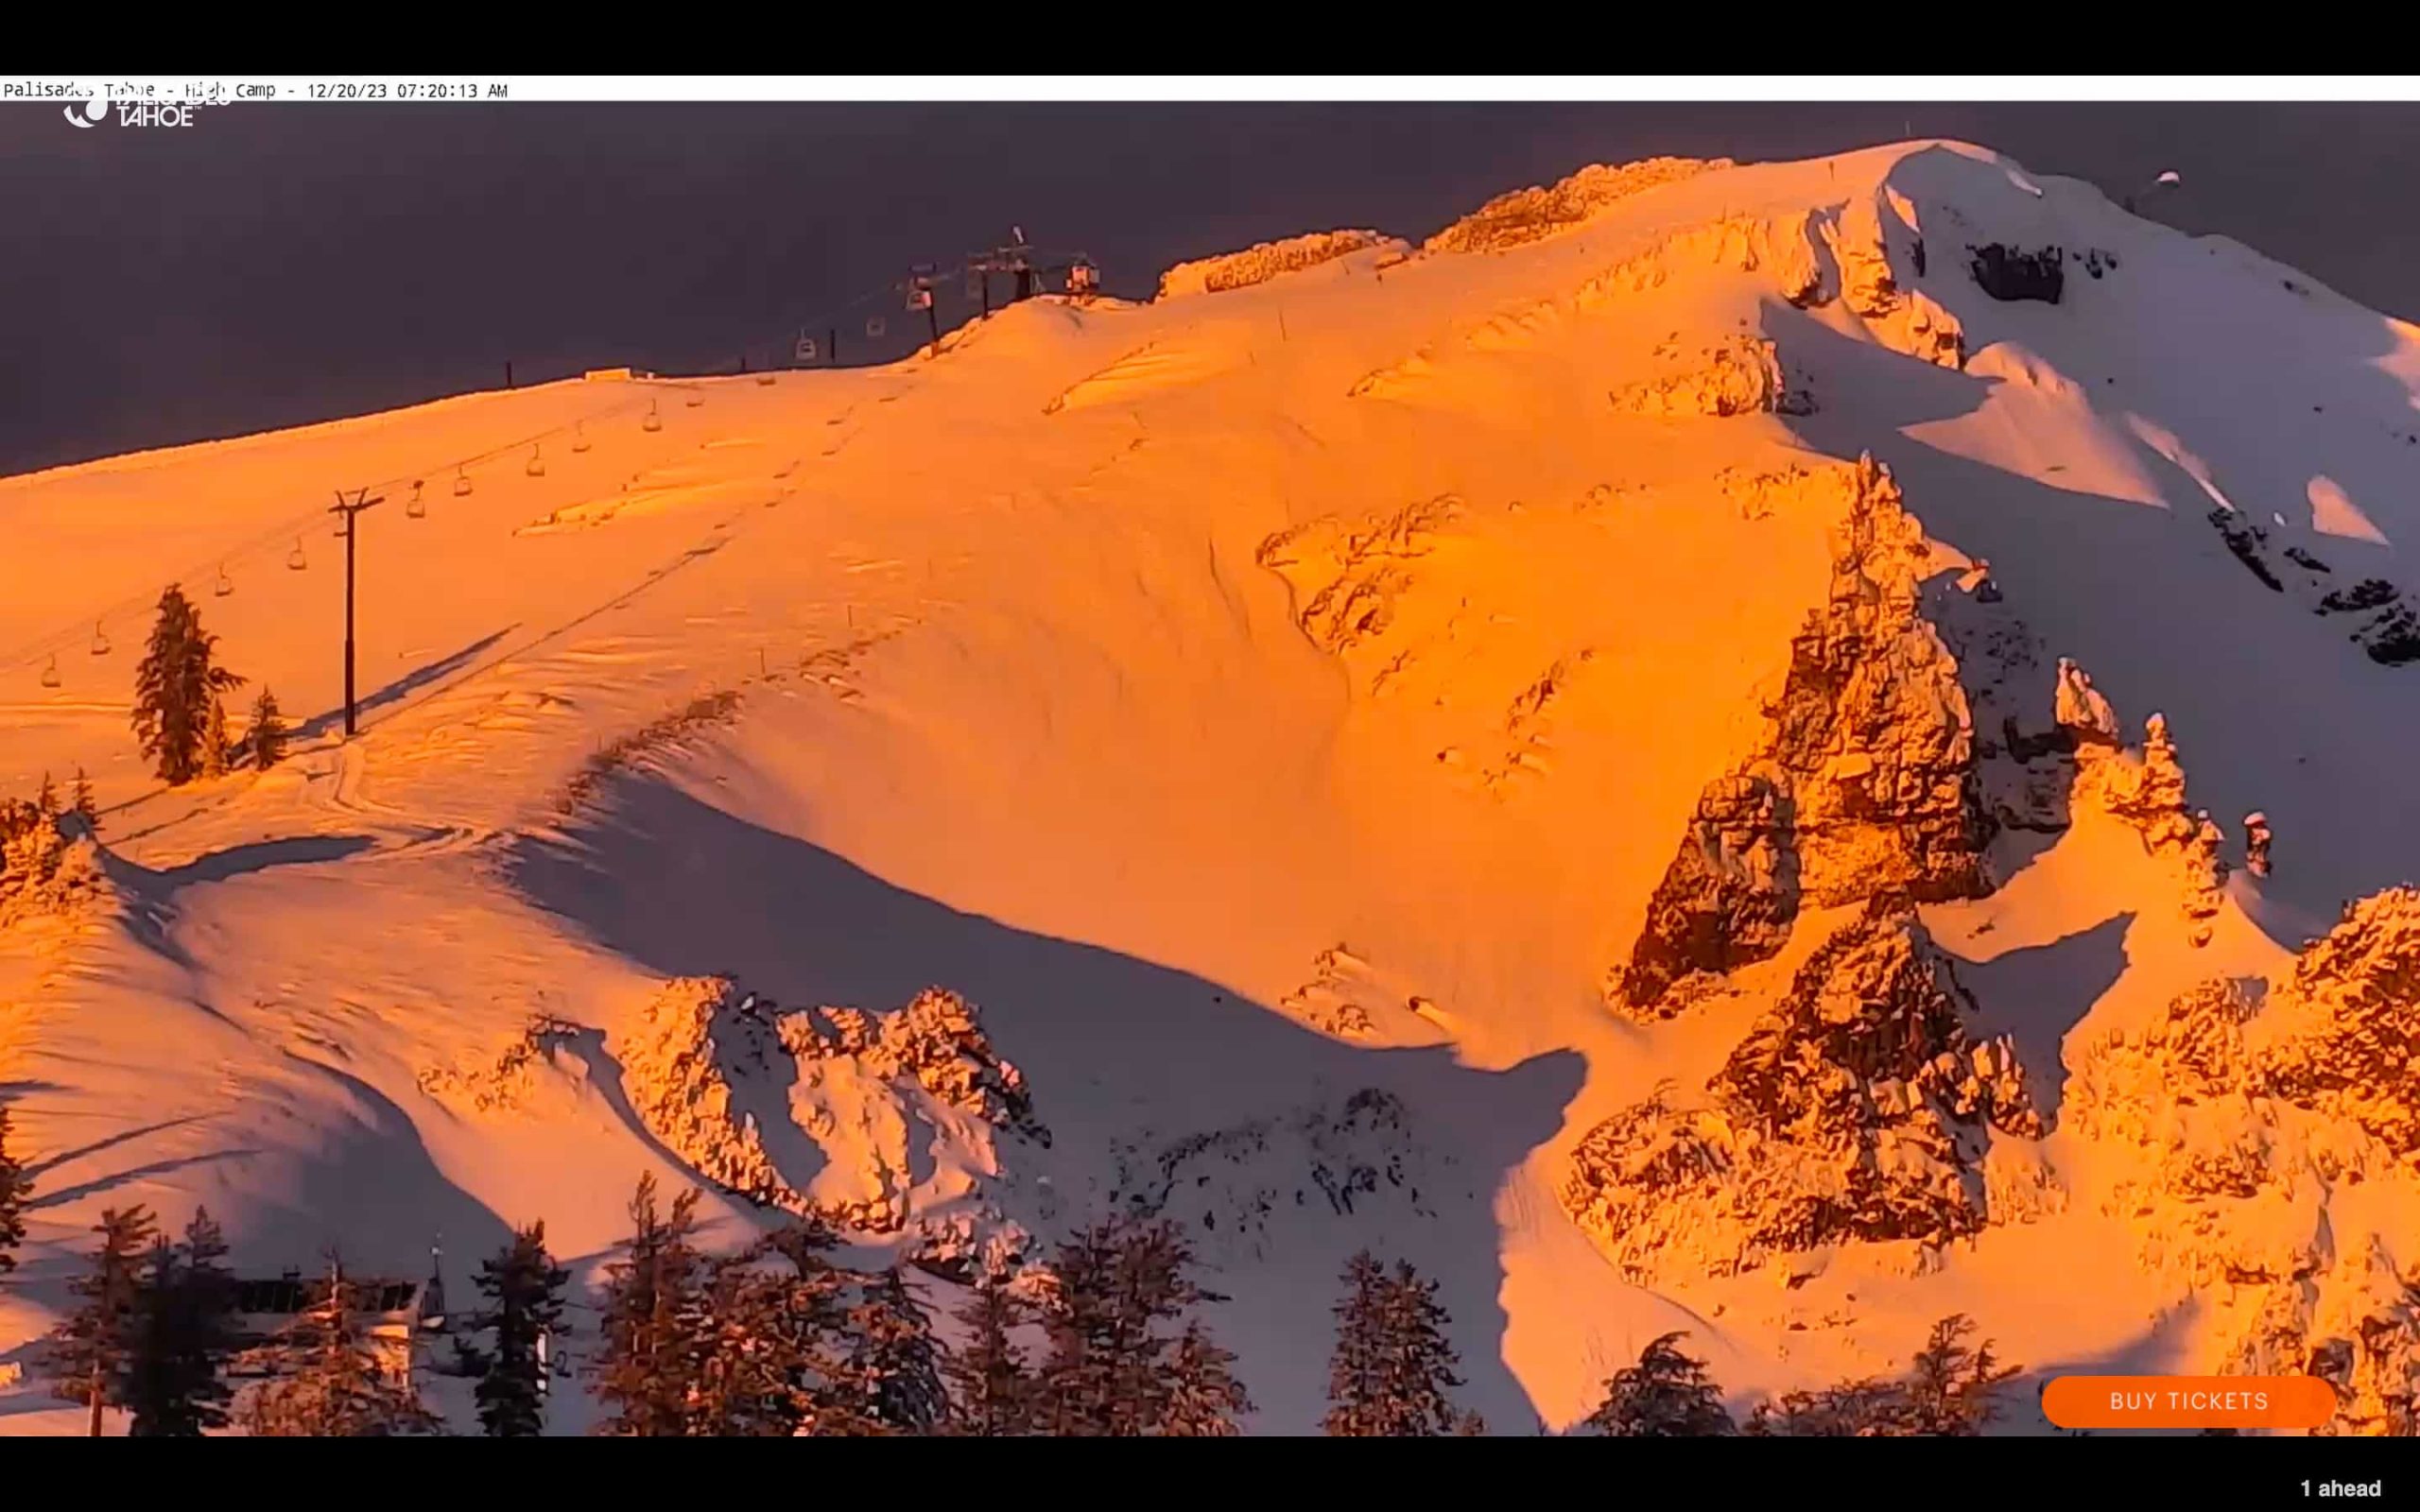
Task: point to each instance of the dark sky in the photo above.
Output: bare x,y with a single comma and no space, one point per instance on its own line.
277,264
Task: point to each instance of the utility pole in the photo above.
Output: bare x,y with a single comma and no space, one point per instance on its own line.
351,512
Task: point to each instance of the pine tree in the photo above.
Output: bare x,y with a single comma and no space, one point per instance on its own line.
330,1381
1667,1394
89,1356
1949,1392
654,1296
175,687
46,799
264,740
1392,1372
895,1365
1951,1389
187,1335
1111,1371
992,1389
525,1290
80,801
15,1187
1204,1396
215,742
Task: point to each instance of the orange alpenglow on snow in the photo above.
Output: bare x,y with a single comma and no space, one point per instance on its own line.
1645,753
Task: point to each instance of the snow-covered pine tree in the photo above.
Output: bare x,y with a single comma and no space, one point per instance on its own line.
524,1288
46,799
1205,1399
186,1337
1667,1394
1948,1392
328,1379
264,737
89,1355
654,1296
746,1382
991,1388
1393,1370
1110,1372
15,1186
81,802
175,686
1951,1389
216,741
895,1364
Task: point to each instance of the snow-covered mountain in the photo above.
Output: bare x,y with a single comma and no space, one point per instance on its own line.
1647,754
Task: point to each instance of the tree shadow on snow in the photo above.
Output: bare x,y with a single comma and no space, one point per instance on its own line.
1152,1081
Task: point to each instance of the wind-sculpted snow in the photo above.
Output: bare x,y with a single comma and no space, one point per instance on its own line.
1264,261
1743,377
1527,214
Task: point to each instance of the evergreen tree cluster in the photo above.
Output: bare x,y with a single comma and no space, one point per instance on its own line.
153,1333
779,1340
30,839
181,722
1949,1391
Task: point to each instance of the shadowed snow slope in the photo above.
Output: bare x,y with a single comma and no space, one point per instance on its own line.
1279,719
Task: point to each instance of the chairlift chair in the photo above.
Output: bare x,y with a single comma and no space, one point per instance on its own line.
536,467
461,482
416,507
578,436
806,349
101,641
694,400
224,586
874,328
50,673
295,560
651,422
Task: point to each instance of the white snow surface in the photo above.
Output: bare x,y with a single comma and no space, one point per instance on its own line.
1248,701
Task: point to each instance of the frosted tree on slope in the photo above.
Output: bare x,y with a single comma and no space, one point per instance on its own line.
1393,1370
176,687
89,1355
15,1186
1667,1394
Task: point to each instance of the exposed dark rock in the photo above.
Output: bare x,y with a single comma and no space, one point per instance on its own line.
2249,543
2007,274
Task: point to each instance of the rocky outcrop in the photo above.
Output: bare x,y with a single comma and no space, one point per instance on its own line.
2265,1141
2146,789
2348,1025
936,1043
1344,575
1528,215
1264,261
2006,273
1743,377
1859,1110
677,1072
1862,784
827,1112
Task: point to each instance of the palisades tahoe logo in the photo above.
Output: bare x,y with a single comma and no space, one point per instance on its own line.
92,112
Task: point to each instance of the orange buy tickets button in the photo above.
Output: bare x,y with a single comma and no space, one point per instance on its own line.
2188,1402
